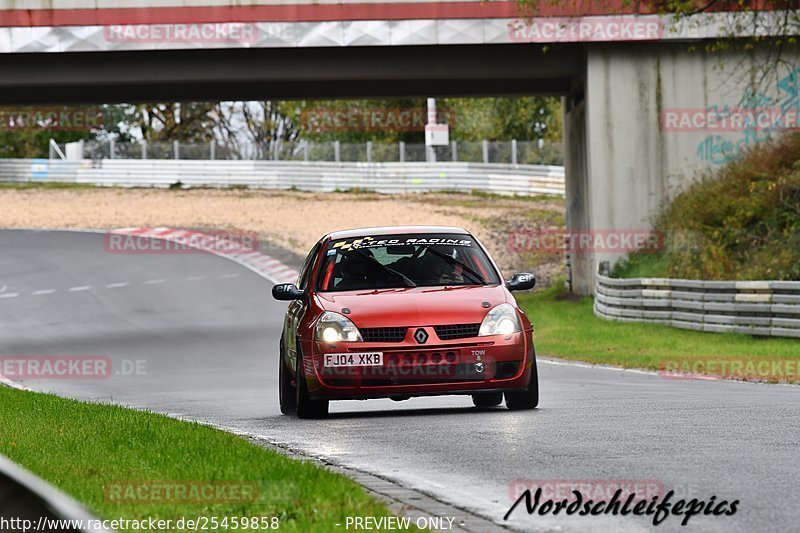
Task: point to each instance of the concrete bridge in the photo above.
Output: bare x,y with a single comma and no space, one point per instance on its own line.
646,108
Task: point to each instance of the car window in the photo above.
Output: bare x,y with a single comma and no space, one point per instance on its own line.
377,262
305,270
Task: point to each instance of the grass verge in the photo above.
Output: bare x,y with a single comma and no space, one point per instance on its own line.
112,458
567,328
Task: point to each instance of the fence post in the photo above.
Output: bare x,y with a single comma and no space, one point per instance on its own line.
336,147
369,151
402,147
513,151
112,149
144,149
212,150
176,150
485,147
454,150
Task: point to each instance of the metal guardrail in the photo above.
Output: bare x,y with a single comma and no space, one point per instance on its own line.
25,497
763,308
316,176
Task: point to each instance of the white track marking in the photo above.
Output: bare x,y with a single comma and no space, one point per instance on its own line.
9,295
3,289
80,288
194,278
154,281
560,362
118,285
43,292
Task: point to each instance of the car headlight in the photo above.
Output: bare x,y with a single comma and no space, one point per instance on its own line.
333,327
501,320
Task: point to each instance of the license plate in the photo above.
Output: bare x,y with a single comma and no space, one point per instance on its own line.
336,360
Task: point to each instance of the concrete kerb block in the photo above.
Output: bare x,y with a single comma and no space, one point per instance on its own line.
718,328
686,284
752,285
686,325
780,322
785,309
687,304
719,285
757,331
785,332
785,285
754,321
719,319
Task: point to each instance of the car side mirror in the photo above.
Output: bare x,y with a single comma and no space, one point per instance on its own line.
287,292
522,281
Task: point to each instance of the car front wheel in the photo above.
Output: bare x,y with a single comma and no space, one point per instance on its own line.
306,407
286,391
528,398
487,399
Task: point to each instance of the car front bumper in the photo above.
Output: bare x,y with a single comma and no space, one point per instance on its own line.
464,366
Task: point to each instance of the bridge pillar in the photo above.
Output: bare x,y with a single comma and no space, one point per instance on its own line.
649,126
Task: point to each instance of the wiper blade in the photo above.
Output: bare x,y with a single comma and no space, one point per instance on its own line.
463,265
408,282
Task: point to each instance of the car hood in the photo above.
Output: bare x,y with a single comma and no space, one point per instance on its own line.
418,306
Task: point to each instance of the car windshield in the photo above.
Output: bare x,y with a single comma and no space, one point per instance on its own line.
408,260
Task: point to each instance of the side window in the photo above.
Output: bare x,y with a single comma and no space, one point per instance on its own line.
305,271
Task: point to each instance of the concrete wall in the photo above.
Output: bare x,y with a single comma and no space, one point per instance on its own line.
634,163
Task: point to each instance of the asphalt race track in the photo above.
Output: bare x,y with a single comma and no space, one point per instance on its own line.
205,332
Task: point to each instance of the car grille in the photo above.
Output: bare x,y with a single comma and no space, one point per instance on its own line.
457,331
383,334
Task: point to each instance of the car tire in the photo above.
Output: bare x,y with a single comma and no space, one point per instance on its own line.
487,399
306,407
528,398
287,394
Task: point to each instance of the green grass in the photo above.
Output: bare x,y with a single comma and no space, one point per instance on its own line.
566,328
653,265
82,448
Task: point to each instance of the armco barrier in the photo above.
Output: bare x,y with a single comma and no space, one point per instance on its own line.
24,497
312,176
764,308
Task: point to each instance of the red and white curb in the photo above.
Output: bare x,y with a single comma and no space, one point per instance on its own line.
215,243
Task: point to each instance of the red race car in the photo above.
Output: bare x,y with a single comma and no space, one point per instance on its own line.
399,312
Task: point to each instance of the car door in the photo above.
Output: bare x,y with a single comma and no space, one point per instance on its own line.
297,308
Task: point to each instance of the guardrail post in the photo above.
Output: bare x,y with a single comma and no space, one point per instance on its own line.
144,149
401,146
176,150
513,151
336,148
305,152
112,149
276,150
212,150
485,148
454,150
369,151
80,148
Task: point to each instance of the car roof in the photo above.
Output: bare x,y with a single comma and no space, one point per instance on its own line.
393,230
